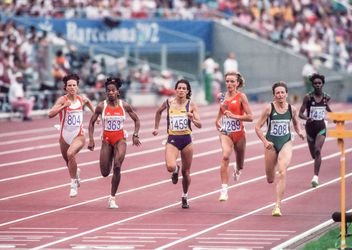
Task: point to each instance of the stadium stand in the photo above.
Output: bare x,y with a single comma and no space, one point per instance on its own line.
318,29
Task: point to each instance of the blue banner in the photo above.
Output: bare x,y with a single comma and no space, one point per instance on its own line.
126,32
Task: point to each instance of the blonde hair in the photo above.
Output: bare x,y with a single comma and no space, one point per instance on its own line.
240,78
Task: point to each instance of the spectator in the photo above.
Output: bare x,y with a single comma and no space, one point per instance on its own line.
164,83
308,70
217,82
230,64
17,98
208,66
60,68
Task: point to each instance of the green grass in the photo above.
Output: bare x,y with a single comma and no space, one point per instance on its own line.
330,240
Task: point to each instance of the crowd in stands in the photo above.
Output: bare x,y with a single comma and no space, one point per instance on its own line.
316,28
43,59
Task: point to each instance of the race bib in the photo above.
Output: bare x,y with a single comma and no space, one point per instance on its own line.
74,119
317,113
178,123
279,127
113,123
231,125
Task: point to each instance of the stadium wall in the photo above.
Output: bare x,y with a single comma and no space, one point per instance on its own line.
262,63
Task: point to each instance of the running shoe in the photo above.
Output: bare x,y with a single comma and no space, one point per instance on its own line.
223,195
236,174
74,186
276,212
78,177
174,176
185,202
112,203
315,181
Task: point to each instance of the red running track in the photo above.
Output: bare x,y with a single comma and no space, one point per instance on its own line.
37,213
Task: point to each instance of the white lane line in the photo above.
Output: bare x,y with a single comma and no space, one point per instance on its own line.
235,242
260,231
143,233
195,198
123,241
248,214
165,181
237,238
127,156
207,110
305,234
123,172
196,247
150,139
129,237
110,246
147,229
130,171
43,228
196,142
129,126
26,232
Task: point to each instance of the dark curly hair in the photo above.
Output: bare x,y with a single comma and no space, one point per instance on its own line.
316,76
113,80
70,77
188,96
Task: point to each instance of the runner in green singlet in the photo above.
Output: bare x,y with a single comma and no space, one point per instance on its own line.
277,142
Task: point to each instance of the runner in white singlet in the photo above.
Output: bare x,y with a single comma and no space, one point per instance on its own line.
70,108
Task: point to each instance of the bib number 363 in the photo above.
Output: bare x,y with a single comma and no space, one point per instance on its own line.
113,124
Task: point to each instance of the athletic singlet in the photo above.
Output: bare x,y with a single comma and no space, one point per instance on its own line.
279,131
71,120
316,111
231,125
177,119
113,120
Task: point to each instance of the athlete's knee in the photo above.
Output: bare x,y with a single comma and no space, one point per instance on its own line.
170,167
225,158
270,179
104,171
186,172
117,169
281,174
70,155
317,153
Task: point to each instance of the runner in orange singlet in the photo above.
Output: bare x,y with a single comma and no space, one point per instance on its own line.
113,148
234,110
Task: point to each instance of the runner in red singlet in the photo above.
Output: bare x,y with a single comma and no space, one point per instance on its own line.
113,148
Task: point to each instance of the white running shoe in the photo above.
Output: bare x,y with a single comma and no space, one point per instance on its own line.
236,174
78,177
111,203
73,190
223,195
315,181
